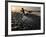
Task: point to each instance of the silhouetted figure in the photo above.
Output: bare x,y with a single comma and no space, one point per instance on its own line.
23,10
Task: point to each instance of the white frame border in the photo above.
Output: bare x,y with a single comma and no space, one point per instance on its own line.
26,31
